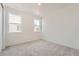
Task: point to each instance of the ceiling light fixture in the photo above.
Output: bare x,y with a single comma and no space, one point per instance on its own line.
39,4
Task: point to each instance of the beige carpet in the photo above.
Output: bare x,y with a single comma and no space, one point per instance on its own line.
39,48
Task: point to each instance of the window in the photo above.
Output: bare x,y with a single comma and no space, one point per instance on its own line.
14,23
37,25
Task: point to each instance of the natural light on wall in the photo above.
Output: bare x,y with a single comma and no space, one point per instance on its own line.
14,23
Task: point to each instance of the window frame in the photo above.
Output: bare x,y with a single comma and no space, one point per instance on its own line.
39,26
17,24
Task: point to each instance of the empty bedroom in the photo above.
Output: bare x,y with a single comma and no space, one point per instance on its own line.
39,29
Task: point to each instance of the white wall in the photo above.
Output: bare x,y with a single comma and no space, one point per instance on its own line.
61,24
27,33
0,28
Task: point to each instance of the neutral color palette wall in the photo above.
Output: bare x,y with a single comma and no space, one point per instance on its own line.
27,28
61,24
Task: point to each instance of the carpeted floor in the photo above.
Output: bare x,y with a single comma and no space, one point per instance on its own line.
39,48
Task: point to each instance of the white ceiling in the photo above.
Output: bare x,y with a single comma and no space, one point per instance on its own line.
59,5
26,7
34,8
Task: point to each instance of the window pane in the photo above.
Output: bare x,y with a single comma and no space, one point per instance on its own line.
36,29
14,23
14,18
14,28
36,25
37,22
